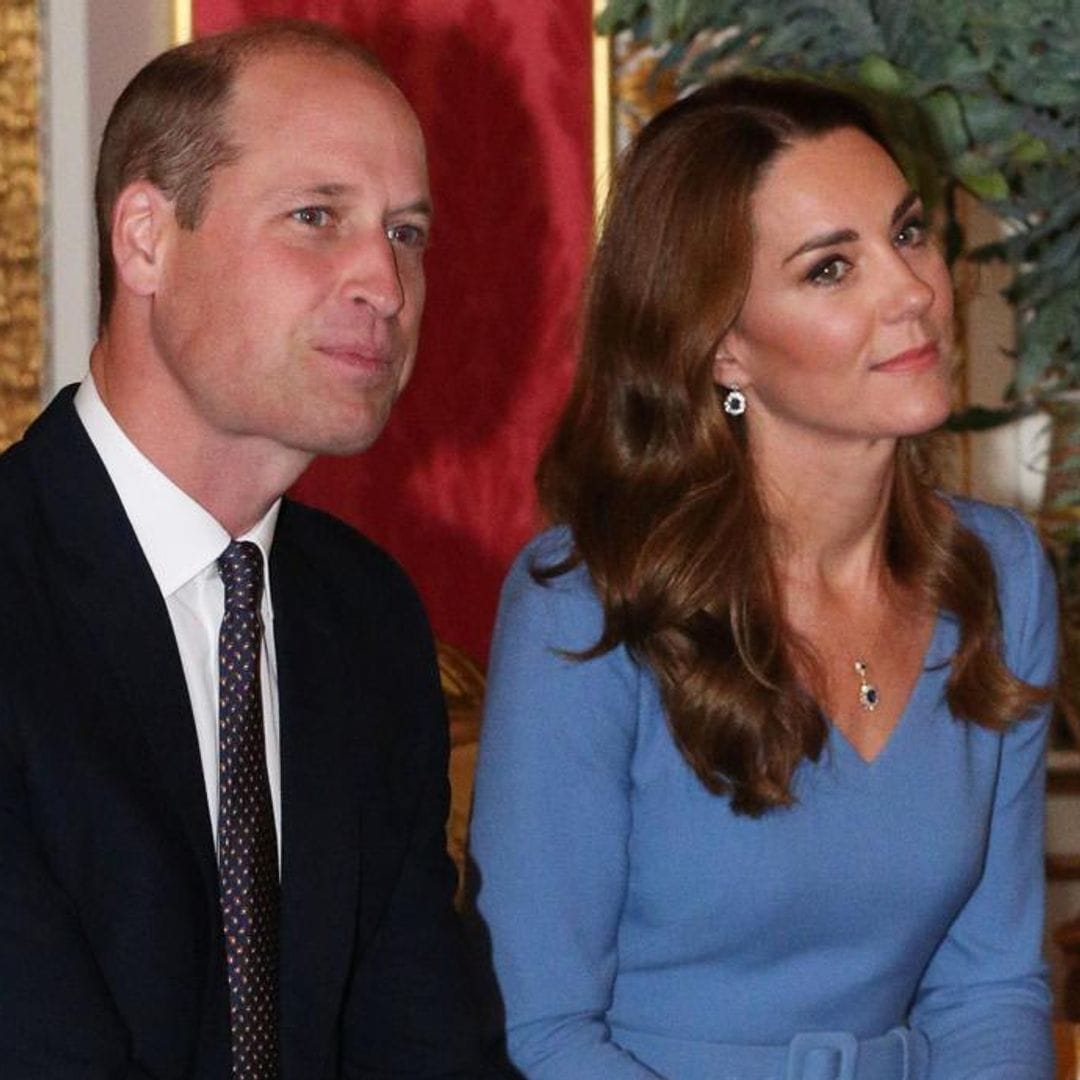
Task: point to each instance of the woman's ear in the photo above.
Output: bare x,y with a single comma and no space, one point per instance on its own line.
728,366
141,220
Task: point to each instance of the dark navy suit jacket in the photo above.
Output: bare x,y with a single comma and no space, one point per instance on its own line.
111,954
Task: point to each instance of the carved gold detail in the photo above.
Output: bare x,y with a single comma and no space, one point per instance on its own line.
182,19
21,344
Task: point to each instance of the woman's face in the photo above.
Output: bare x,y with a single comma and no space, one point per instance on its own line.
846,330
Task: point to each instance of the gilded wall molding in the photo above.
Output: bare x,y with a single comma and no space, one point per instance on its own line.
183,17
21,324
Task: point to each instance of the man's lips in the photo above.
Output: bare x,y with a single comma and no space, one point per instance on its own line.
363,358
917,359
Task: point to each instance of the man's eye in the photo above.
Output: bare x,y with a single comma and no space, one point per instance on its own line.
829,271
316,216
411,236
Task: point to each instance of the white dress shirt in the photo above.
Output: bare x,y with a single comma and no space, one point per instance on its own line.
182,542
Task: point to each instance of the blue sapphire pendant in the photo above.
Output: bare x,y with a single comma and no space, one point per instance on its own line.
868,692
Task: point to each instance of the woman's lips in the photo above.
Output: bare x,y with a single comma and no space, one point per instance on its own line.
917,359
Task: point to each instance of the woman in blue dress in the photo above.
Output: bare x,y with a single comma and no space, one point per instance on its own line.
760,786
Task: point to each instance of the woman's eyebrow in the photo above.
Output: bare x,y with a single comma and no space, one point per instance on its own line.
838,236
846,236
904,205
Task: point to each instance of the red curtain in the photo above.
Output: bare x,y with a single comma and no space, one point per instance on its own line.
503,89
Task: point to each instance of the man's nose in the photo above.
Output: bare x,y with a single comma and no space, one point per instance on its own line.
371,274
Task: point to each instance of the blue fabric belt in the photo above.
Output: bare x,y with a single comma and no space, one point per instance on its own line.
900,1054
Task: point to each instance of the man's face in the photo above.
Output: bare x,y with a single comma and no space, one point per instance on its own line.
290,315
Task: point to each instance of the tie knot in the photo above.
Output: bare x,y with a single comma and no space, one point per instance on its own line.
241,569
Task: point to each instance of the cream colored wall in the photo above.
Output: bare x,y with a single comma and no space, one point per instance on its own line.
92,48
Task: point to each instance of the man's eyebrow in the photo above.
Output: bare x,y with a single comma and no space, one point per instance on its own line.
417,206
322,191
846,236
332,190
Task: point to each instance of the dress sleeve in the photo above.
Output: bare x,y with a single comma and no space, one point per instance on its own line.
984,1002
550,828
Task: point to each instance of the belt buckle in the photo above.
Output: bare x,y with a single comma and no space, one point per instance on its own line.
842,1044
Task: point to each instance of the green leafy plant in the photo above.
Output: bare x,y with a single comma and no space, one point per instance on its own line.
993,89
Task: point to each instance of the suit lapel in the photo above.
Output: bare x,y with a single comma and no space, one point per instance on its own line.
320,804
127,634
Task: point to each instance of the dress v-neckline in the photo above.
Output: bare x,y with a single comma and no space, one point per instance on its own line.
929,661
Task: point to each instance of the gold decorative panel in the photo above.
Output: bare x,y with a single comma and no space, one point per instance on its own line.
21,345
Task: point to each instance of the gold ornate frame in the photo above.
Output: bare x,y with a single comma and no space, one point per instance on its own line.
21,280
603,108
181,21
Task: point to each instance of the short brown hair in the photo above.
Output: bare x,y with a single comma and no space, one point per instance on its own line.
168,124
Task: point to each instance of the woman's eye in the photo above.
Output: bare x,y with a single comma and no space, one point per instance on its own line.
829,271
410,236
912,233
316,216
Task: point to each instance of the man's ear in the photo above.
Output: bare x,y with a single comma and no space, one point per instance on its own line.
141,224
728,366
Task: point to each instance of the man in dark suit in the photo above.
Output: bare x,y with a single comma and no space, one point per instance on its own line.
182,748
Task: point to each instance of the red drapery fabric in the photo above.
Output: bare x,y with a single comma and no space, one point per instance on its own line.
503,90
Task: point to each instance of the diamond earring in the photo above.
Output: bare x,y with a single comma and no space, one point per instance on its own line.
734,401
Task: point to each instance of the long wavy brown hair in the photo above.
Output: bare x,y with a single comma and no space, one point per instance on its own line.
657,485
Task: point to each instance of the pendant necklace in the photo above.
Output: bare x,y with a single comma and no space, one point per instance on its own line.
868,692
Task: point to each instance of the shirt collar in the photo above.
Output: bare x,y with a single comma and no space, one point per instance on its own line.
178,536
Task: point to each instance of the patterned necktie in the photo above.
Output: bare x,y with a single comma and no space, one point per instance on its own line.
247,841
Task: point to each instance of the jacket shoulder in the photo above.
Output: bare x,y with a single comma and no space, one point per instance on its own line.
360,570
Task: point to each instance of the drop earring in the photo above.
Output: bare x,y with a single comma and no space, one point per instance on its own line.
734,401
